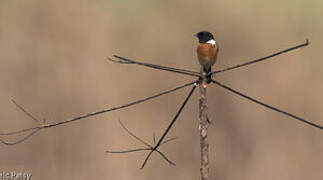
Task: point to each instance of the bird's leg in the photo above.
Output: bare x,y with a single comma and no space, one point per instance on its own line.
207,74
209,77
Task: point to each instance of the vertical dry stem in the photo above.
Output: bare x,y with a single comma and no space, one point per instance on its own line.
203,128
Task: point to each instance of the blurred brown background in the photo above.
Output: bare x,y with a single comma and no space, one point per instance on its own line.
53,61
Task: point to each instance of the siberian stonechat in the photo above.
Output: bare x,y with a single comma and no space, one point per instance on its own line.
207,51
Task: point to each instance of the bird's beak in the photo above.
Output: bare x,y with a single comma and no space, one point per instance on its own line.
195,35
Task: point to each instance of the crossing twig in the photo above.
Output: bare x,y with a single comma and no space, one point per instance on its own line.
169,127
149,147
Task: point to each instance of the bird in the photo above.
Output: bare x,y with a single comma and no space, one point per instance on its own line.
207,52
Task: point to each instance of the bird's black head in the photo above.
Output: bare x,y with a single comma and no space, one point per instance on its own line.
204,36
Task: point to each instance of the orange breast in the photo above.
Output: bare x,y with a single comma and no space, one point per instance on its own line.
207,54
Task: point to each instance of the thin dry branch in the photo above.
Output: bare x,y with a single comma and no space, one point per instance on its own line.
263,58
169,127
123,60
45,126
25,111
21,140
149,147
267,106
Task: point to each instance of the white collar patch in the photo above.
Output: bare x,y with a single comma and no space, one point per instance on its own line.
212,41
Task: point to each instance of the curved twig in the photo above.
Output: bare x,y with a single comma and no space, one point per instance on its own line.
21,140
133,135
20,131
